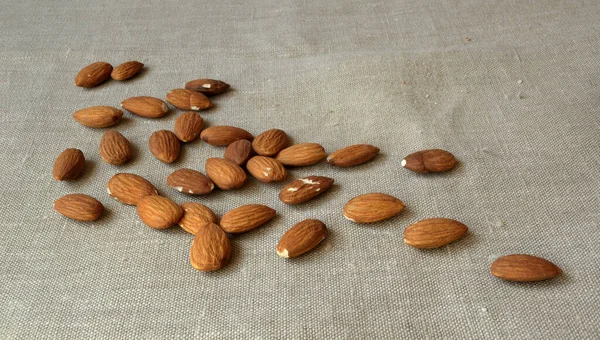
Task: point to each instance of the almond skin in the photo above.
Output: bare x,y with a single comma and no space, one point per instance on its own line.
225,174
158,212
207,86
79,207
211,248
93,74
524,268
188,126
434,233
239,151
301,238
246,218
266,169
190,182
352,155
126,70
188,100
196,216
224,135
304,189
373,207
165,146
270,142
144,106
115,148
301,154
68,165
98,116
129,188
434,160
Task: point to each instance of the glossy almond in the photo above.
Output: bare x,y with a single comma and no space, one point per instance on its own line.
93,74
190,182
188,100
301,154
196,216
98,116
188,126
301,238
126,70
246,218
79,207
115,148
239,151
224,135
225,174
129,188
165,146
434,160
207,86
266,169
211,248
270,142
373,207
158,212
353,155
68,165
304,189
524,268
434,233
144,106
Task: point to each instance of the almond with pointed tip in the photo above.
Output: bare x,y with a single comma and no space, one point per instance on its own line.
196,216
165,146
266,169
126,70
69,165
129,188
524,268
188,100
94,74
158,212
239,151
98,116
145,106
304,189
246,218
270,142
353,155
114,148
374,207
188,126
79,207
190,182
207,86
301,154
301,238
426,161
434,233
225,174
211,248
224,135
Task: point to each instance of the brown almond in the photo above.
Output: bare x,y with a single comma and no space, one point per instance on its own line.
93,74
373,207
188,126
246,218
270,142
207,86
266,169
196,216
68,165
129,188
225,174
224,135
434,233
98,116
190,182
165,146
188,100
524,268
145,106
79,207
115,148
158,212
239,151
353,155
301,154
304,189
301,238
434,160
126,70
211,248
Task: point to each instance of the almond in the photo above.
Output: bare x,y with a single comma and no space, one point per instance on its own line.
196,216
158,212
79,207
524,268
239,151
224,135
225,174
188,100
144,106
68,165
115,148
266,169
434,233
93,74
270,142
126,70
188,126
211,248
190,182
434,160
301,154
373,207
301,238
246,218
207,86
129,188
353,155
98,116
165,146
304,189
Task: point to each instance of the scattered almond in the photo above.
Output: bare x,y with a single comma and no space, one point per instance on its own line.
196,216
191,182
79,207
129,188
126,70
224,135
207,86
304,189
301,154
93,74
115,148
98,116
144,106
434,160
188,126
158,212
524,268
246,218
225,174
434,233
68,165
266,169
188,100
270,142
373,207
239,151
211,248
353,155
301,238
165,146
